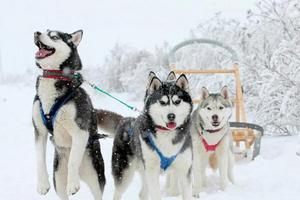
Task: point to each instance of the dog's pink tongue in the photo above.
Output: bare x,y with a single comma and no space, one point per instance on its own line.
42,53
171,125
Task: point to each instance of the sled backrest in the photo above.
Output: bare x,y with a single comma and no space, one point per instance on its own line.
238,99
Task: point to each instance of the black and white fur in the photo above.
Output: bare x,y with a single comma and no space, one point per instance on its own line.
75,124
133,153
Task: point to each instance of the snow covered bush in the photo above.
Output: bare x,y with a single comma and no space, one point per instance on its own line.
269,52
126,69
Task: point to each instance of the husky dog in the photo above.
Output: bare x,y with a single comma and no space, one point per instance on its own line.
64,110
158,140
212,138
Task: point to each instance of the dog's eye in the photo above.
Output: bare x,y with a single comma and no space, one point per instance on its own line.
221,107
208,108
162,103
177,102
54,37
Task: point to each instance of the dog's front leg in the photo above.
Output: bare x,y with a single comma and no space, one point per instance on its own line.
79,143
186,185
43,184
230,167
152,182
223,161
41,135
184,172
172,184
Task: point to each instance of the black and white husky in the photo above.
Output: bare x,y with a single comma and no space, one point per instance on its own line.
212,138
63,109
158,140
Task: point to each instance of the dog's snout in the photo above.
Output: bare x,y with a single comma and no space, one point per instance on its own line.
171,116
37,33
215,118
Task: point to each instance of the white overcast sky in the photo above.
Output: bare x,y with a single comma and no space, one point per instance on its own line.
138,23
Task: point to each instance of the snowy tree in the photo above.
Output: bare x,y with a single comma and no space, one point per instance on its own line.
268,47
126,69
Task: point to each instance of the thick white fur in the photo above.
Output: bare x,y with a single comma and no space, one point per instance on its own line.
180,166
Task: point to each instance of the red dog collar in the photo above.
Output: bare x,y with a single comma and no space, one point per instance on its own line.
58,74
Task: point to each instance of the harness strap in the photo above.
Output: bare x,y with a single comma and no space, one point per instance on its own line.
210,147
165,162
130,132
48,119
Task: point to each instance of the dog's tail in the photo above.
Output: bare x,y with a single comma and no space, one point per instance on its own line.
108,121
213,161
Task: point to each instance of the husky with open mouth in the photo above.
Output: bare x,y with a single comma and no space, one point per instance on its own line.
157,141
63,109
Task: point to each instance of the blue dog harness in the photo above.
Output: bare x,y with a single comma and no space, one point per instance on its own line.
49,119
165,162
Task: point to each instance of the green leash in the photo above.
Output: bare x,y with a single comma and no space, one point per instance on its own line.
108,94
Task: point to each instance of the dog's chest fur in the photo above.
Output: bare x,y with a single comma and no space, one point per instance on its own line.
47,93
164,141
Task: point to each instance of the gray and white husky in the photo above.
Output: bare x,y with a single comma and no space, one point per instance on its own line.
212,138
63,109
212,141
157,141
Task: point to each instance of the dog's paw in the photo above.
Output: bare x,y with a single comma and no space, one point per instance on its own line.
171,192
73,187
223,185
43,187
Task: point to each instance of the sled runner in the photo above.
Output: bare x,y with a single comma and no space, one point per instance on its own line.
247,136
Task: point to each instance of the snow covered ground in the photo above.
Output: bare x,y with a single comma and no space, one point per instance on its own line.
275,174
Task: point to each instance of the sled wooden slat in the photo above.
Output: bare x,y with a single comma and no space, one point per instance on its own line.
204,71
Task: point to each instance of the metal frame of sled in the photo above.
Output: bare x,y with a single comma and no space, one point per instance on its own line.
242,131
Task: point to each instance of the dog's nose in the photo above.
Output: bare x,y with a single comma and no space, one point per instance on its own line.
171,116
37,33
215,118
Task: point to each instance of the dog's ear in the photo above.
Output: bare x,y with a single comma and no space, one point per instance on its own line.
171,76
154,84
150,76
204,93
183,83
225,92
76,37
